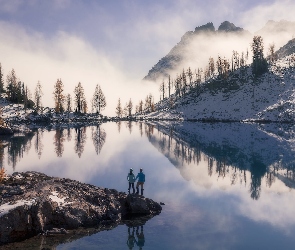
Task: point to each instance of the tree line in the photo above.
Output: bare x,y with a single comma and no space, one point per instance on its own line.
219,69
17,92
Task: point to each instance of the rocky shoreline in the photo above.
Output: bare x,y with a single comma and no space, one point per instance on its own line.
33,204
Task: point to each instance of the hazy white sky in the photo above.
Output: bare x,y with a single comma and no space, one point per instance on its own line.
112,43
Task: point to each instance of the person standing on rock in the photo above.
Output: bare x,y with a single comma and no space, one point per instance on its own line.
141,179
131,180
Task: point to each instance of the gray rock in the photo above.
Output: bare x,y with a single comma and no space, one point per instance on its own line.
5,131
32,203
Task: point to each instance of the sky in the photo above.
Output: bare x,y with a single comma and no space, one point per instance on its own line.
111,43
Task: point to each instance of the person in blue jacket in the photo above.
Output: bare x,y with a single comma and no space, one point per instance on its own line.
141,179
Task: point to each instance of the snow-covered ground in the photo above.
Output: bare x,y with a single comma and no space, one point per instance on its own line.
270,97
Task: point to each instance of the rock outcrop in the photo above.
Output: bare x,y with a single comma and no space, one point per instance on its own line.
4,130
33,203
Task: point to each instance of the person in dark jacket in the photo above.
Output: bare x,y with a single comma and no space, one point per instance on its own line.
131,180
141,180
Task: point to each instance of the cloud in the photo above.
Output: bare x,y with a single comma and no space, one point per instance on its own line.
256,17
69,57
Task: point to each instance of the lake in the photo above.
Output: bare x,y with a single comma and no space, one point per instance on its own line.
224,185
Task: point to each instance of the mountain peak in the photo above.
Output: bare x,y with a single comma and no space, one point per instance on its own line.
226,26
205,28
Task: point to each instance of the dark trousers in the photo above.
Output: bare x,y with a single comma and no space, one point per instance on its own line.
131,185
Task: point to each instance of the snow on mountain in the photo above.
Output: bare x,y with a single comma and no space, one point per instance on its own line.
270,97
194,46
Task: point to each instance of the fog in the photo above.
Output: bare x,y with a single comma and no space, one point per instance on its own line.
115,45
70,58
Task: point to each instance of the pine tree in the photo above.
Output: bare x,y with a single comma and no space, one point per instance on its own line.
235,61
84,106
38,95
169,86
69,103
98,100
177,86
1,80
12,83
119,111
211,67
272,57
125,110
59,97
259,65
190,76
162,89
184,82
129,107
79,98
140,107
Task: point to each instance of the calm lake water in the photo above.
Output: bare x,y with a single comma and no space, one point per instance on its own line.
224,185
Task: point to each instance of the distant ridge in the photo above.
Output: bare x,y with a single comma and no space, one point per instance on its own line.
177,54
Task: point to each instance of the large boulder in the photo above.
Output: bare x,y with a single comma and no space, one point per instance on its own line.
5,130
32,203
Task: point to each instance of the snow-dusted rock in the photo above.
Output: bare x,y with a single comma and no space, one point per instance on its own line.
32,203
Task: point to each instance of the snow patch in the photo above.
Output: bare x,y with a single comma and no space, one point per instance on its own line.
5,208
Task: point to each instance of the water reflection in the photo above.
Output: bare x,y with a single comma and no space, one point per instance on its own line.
250,155
38,142
139,240
16,148
99,138
80,139
59,138
238,152
119,123
19,144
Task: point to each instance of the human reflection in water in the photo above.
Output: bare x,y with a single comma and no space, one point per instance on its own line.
139,240
131,239
140,237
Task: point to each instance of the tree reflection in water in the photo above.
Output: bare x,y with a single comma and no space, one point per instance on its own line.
2,146
184,147
129,126
59,138
17,146
119,123
98,137
80,139
38,142
249,163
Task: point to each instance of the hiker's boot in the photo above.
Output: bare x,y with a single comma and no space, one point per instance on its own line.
142,192
137,190
133,191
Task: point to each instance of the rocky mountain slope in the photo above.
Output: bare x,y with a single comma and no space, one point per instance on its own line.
270,97
195,47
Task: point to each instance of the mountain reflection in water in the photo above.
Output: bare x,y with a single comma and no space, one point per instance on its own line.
241,153
225,185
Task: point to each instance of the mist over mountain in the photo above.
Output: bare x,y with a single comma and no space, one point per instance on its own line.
195,47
